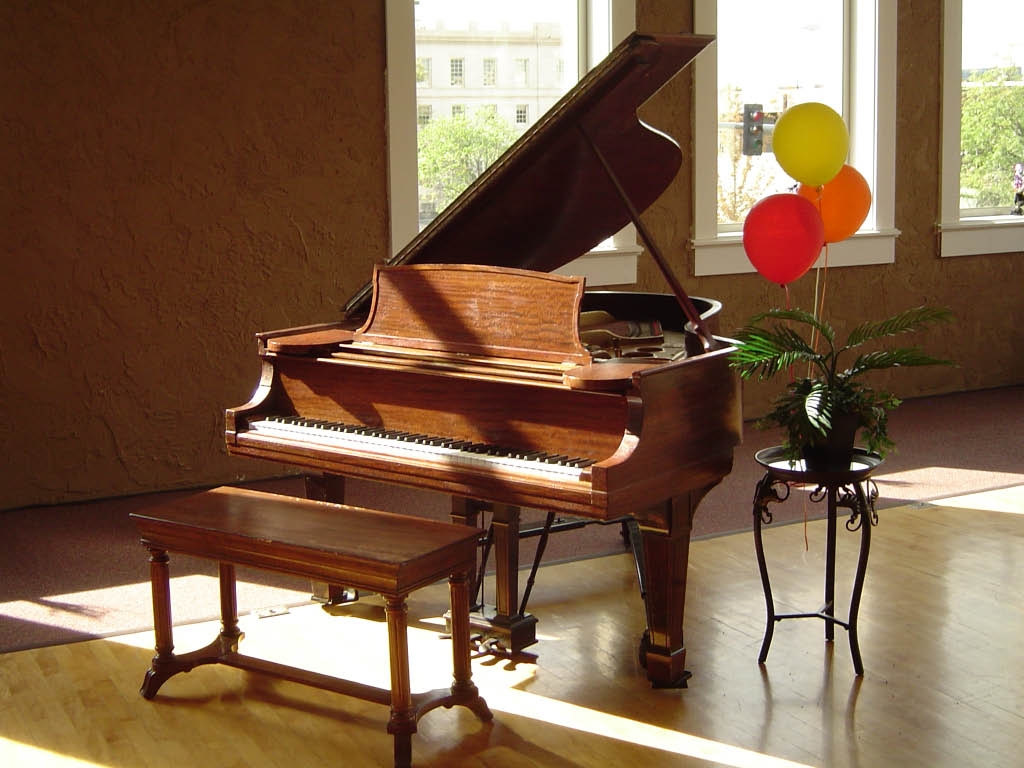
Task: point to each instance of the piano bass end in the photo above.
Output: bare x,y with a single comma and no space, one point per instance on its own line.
611,376
308,343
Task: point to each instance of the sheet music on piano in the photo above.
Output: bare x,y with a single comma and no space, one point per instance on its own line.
462,367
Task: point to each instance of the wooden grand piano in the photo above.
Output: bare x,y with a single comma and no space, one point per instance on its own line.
466,367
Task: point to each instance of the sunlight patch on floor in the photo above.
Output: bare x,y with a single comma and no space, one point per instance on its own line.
566,715
14,753
927,483
1002,500
83,611
365,660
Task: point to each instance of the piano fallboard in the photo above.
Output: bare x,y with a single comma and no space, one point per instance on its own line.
669,431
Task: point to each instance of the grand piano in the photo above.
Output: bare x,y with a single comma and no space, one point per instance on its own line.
466,367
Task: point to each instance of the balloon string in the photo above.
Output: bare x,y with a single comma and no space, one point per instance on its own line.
820,309
789,324
817,277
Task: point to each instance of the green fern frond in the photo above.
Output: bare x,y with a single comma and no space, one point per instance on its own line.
817,407
895,358
799,316
903,322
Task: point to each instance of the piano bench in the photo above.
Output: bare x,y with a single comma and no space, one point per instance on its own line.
386,553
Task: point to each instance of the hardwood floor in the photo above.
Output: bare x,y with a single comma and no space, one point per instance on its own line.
940,628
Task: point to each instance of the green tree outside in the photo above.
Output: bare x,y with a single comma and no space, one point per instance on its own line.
453,151
991,137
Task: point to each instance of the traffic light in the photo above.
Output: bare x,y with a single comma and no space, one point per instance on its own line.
753,129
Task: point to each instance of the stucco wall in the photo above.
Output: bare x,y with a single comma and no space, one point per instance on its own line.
179,175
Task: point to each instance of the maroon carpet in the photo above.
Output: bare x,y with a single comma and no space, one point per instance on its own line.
77,571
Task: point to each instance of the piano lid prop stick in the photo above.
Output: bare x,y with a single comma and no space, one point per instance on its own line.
707,340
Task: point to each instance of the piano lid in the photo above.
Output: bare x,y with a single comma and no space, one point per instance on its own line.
549,198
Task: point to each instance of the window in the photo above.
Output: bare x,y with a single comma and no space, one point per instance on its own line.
594,26
423,72
982,137
423,114
458,71
769,84
838,52
458,110
521,68
490,72
522,114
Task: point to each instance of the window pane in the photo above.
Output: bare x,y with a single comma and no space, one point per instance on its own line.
510,69
770,59
992,106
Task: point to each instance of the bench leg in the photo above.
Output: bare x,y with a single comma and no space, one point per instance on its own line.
464,690
229,632
166,663
163,665
402,724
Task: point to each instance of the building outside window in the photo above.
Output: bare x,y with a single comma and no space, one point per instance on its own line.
558,39
479,39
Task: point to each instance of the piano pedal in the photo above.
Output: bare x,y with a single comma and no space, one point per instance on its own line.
271,611
332,594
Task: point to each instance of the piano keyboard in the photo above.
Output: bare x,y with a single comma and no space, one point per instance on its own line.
418,446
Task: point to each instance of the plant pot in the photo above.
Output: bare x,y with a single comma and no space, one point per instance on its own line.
835,451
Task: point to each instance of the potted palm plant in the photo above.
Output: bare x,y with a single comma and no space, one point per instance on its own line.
822,412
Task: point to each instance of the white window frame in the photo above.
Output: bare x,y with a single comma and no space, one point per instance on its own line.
608,265
871,109
961,235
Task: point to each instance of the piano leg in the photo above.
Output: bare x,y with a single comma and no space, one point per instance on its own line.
329,488
513,629
666,551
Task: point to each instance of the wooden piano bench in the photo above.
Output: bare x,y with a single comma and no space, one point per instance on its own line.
380,552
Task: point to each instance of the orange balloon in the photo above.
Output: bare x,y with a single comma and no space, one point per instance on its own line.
843,203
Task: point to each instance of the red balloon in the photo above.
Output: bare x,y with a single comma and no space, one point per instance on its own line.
843,202
783,235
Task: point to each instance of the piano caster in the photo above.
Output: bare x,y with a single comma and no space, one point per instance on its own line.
645,647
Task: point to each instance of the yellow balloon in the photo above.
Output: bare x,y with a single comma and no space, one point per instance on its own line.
811,142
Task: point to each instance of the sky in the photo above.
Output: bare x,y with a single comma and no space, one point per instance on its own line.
993,34
488,13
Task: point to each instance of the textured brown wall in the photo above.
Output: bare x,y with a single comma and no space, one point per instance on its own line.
180,176
177,176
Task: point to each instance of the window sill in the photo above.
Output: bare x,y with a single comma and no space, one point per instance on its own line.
988,234
724,255
608,266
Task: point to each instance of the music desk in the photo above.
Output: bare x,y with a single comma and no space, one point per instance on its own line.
850,489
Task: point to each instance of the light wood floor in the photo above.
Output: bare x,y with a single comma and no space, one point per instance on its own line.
941,627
